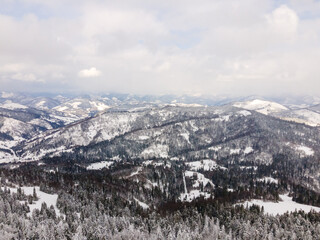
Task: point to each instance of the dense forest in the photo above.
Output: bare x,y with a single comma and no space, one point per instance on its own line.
104,204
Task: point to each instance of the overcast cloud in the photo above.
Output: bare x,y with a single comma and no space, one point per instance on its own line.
210,47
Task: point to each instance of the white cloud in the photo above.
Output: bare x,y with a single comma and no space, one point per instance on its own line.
211,47
26,77
284,20
87,73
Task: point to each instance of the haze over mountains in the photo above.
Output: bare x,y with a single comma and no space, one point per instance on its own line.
28,121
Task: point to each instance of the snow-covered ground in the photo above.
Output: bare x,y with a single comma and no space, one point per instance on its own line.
49,199
157,163
301,148
305,116
261,106
268,179
99,165
12,105
308,151
205,164
157,150
142,204
286,205
193,194
198,178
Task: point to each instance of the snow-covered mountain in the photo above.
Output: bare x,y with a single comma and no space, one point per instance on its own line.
261,106
179,133
306,115
81,107
18,124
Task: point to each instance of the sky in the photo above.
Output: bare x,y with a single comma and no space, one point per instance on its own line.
204,47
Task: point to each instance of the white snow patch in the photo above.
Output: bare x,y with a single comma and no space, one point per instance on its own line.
193,194
255,168
305,116
156,150
156,163
307,151
99,105
244,113
49,199
184,105
206,165
261,106
143,137
61,108
99,165
136,172
286,205
268,179
216,148
248,150
75,104
12,105
186,136
142,204
235,151
200,179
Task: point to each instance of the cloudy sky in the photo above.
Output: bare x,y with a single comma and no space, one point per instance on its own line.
213,47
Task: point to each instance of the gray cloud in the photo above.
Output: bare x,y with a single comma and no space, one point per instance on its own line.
208,47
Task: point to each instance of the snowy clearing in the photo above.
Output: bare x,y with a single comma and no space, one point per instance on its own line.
193,194
99,165
49,199
286,205
206,165
157,151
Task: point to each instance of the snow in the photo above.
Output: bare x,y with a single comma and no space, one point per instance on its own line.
75,104
157,150
61,108
206,165
142,204
200,179
248,150
244,113
99,165
193,194
185,105
185,136
139,169
11,105
116,158
255,168
215,148
156,163
235,151
306,150
143,137
274,208
261,106
305,116
268,179
49,199
99,105
40,104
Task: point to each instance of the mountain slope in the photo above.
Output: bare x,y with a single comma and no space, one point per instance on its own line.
261,106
